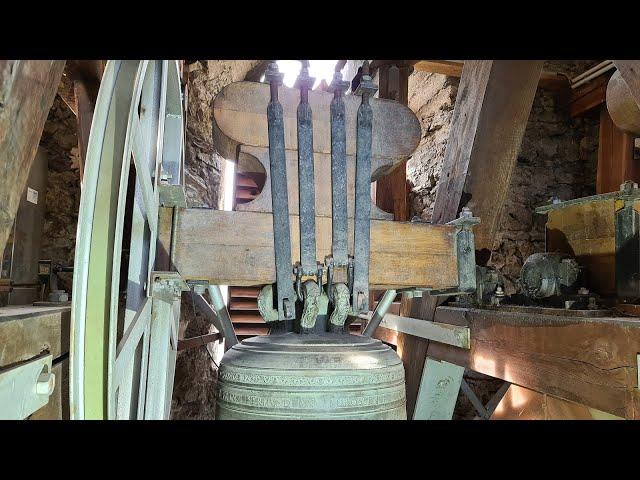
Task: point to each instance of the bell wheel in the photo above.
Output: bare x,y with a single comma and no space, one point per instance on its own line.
137,128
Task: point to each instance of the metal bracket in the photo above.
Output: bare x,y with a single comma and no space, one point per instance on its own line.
168,286
466,255
26,388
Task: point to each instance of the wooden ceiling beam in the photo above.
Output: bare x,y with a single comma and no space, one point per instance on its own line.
453,68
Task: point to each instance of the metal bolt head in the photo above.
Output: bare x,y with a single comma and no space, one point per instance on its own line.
304,80
273,74
46,383
466,212
337,84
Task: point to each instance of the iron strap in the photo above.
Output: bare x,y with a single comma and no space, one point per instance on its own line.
306,189
338,177
280,202
360,293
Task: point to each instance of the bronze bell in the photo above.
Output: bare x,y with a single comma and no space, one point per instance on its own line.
311,376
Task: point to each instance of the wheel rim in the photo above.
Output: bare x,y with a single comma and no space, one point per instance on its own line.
110,336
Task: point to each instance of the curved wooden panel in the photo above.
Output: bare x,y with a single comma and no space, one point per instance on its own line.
240,118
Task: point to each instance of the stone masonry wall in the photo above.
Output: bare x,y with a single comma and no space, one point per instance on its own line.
558,157
196,373
59,139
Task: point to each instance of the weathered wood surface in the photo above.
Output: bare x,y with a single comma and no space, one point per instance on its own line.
587,232
520,403
240,118
588,96
322,174
392,189
27,90
630,72
491,111
453,68
616,164
26,332
433,331
236,248
591,361
621,105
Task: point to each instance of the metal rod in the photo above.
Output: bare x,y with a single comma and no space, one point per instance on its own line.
338,172
593,69
217,314
280,199
362,223
593,75
379,313
306,186
226,326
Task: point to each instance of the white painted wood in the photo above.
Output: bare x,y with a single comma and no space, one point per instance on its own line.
437,332
438,390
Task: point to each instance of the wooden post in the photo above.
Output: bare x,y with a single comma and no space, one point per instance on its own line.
490,115
27,90
615,156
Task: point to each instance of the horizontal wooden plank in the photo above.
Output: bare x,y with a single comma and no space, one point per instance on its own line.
438,332
236,248
520,403
193,342
244,292
588,360
243,305
27,331
453,68
246,318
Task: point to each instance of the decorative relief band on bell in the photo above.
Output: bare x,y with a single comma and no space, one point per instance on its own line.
298,401
284,379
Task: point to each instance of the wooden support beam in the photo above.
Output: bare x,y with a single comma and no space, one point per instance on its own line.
27,90
437,332
236,248
188,343
588,360
490,115
453,68
588,96
615,156
521,403
26,332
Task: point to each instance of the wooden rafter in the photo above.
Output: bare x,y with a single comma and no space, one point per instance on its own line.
27,90
490,115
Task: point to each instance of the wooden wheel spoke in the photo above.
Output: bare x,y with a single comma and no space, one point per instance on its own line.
140,159
130,340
